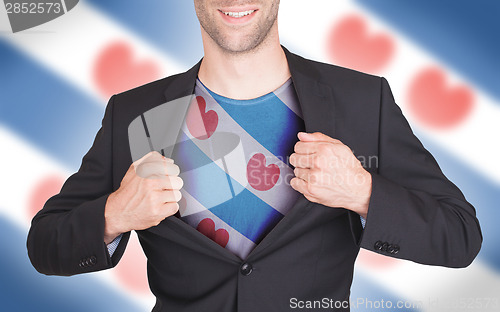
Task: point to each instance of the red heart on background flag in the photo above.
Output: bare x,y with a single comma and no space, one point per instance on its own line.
434,103
201,124
377,261
207,228
351,46
115,70
259,176
132,268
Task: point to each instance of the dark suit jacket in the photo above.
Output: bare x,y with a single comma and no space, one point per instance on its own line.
415,212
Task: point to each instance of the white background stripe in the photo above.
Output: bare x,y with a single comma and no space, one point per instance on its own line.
409,59
23,167
81,35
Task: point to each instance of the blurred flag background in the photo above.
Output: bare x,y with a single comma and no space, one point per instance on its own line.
441,59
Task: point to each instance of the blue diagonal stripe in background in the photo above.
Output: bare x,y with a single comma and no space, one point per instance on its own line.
462,34
27,290
170,27
36,104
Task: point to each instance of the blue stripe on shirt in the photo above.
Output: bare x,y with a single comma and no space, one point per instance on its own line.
208,184
249,215
286,124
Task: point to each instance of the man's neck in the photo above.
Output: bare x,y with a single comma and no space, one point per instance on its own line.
244,76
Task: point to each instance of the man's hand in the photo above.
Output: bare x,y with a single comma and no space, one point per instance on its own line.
148,193
327,172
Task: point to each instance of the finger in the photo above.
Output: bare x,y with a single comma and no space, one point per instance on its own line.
157,157
311,176
152,156
302,161
169,183
304,147
302,173
169,160
301,186
150,170
171,208
165,168
316,137
157,169
147,156
315,147
172,169
171,196
135,164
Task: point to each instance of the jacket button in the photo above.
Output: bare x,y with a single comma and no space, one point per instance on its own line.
396,249
246,269
385,245
390,249
83,263
93,260
378,245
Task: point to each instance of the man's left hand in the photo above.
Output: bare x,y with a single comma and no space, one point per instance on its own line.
327,172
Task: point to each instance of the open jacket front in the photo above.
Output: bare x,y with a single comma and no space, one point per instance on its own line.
415,212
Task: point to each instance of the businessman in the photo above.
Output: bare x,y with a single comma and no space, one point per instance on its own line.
285,222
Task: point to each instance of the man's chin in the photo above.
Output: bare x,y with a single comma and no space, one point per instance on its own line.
240,46
239,50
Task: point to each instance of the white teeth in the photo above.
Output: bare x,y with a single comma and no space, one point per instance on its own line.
239,14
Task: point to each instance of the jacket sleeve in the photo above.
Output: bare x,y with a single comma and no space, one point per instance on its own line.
415,212
67,236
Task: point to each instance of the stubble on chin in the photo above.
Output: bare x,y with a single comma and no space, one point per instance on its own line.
250,43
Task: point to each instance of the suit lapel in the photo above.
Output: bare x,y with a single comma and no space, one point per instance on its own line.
315,98
318,109
183,84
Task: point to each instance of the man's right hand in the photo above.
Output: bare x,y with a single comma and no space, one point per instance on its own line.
148,193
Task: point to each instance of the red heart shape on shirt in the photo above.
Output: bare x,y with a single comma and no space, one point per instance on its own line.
207,228
115,70
201,124
260,176
352,46
436,104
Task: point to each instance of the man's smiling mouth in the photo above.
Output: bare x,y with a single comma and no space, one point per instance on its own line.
239,14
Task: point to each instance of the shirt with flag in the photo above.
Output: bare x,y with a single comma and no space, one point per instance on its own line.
233,157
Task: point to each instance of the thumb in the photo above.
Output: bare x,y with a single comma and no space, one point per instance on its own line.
316,137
